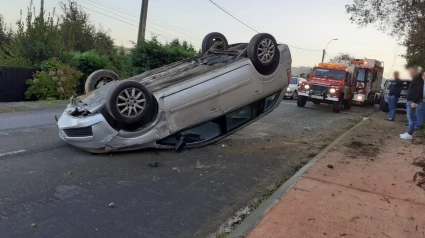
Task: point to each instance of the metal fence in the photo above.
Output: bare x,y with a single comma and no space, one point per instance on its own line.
12,83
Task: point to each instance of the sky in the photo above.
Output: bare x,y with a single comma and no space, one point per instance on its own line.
308,24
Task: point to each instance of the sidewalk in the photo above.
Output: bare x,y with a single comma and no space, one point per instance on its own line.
363,187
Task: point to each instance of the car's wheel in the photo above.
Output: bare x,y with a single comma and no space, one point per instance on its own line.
347,103
295,95
99,78
129,102
301,101
264,53
214,40
336,106
383,106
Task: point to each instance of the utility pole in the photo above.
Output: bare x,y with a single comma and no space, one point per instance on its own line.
143,19
323,56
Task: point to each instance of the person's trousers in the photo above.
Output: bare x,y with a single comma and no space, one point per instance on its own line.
392,105
420,115
411,117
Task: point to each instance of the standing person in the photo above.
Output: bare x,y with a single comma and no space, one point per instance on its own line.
414,96
394,95
420,110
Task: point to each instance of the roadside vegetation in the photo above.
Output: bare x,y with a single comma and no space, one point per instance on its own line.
403,20
69,40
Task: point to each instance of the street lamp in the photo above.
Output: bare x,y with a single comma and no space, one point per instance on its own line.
324,51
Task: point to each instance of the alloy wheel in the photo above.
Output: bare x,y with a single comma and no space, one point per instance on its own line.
266,51
131,102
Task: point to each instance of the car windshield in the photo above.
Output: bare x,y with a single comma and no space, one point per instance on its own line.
329,73
294,81
362,75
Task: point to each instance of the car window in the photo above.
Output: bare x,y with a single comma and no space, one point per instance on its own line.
238,118
269,101
203,132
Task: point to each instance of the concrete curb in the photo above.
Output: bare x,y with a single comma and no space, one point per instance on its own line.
258,214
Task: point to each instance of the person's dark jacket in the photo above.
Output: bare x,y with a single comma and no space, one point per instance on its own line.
416,89
395,88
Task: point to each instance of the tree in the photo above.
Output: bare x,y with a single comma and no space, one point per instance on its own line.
403,19
36,39
415,44
80,34
6,33
343,56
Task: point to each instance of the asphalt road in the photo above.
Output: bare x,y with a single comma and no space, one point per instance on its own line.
66,192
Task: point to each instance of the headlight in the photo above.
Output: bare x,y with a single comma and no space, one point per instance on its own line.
288,89
332,90
307,86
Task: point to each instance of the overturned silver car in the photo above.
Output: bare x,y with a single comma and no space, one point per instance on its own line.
191,103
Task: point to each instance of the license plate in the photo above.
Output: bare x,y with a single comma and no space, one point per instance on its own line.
316,97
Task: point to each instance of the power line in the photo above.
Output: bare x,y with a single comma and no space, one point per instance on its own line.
164,35
129,19
123,21
169,35
234,17
395,56
126,12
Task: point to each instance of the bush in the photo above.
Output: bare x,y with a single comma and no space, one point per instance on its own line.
87,63
55,80
148,55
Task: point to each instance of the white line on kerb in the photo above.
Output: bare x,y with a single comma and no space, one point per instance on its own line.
12,153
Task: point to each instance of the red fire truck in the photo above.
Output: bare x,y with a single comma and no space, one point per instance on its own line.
368,74
328,83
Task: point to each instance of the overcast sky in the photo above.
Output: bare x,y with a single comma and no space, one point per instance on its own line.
308,24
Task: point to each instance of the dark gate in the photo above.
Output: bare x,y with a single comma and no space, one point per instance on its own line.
12,83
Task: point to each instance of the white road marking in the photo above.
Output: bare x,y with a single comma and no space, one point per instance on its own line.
12,152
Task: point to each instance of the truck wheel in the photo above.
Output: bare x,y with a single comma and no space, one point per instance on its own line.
99,79
336,106
264,53
383,106
301,101
216,40
129,102
347,103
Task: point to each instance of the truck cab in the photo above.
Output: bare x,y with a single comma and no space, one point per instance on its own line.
328,83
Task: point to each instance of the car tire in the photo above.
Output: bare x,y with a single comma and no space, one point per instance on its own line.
133,96
336,106
211,39
348,103
264,53
301,101
99,78
383,106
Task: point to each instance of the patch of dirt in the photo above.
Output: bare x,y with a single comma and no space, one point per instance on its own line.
295,151
419,177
